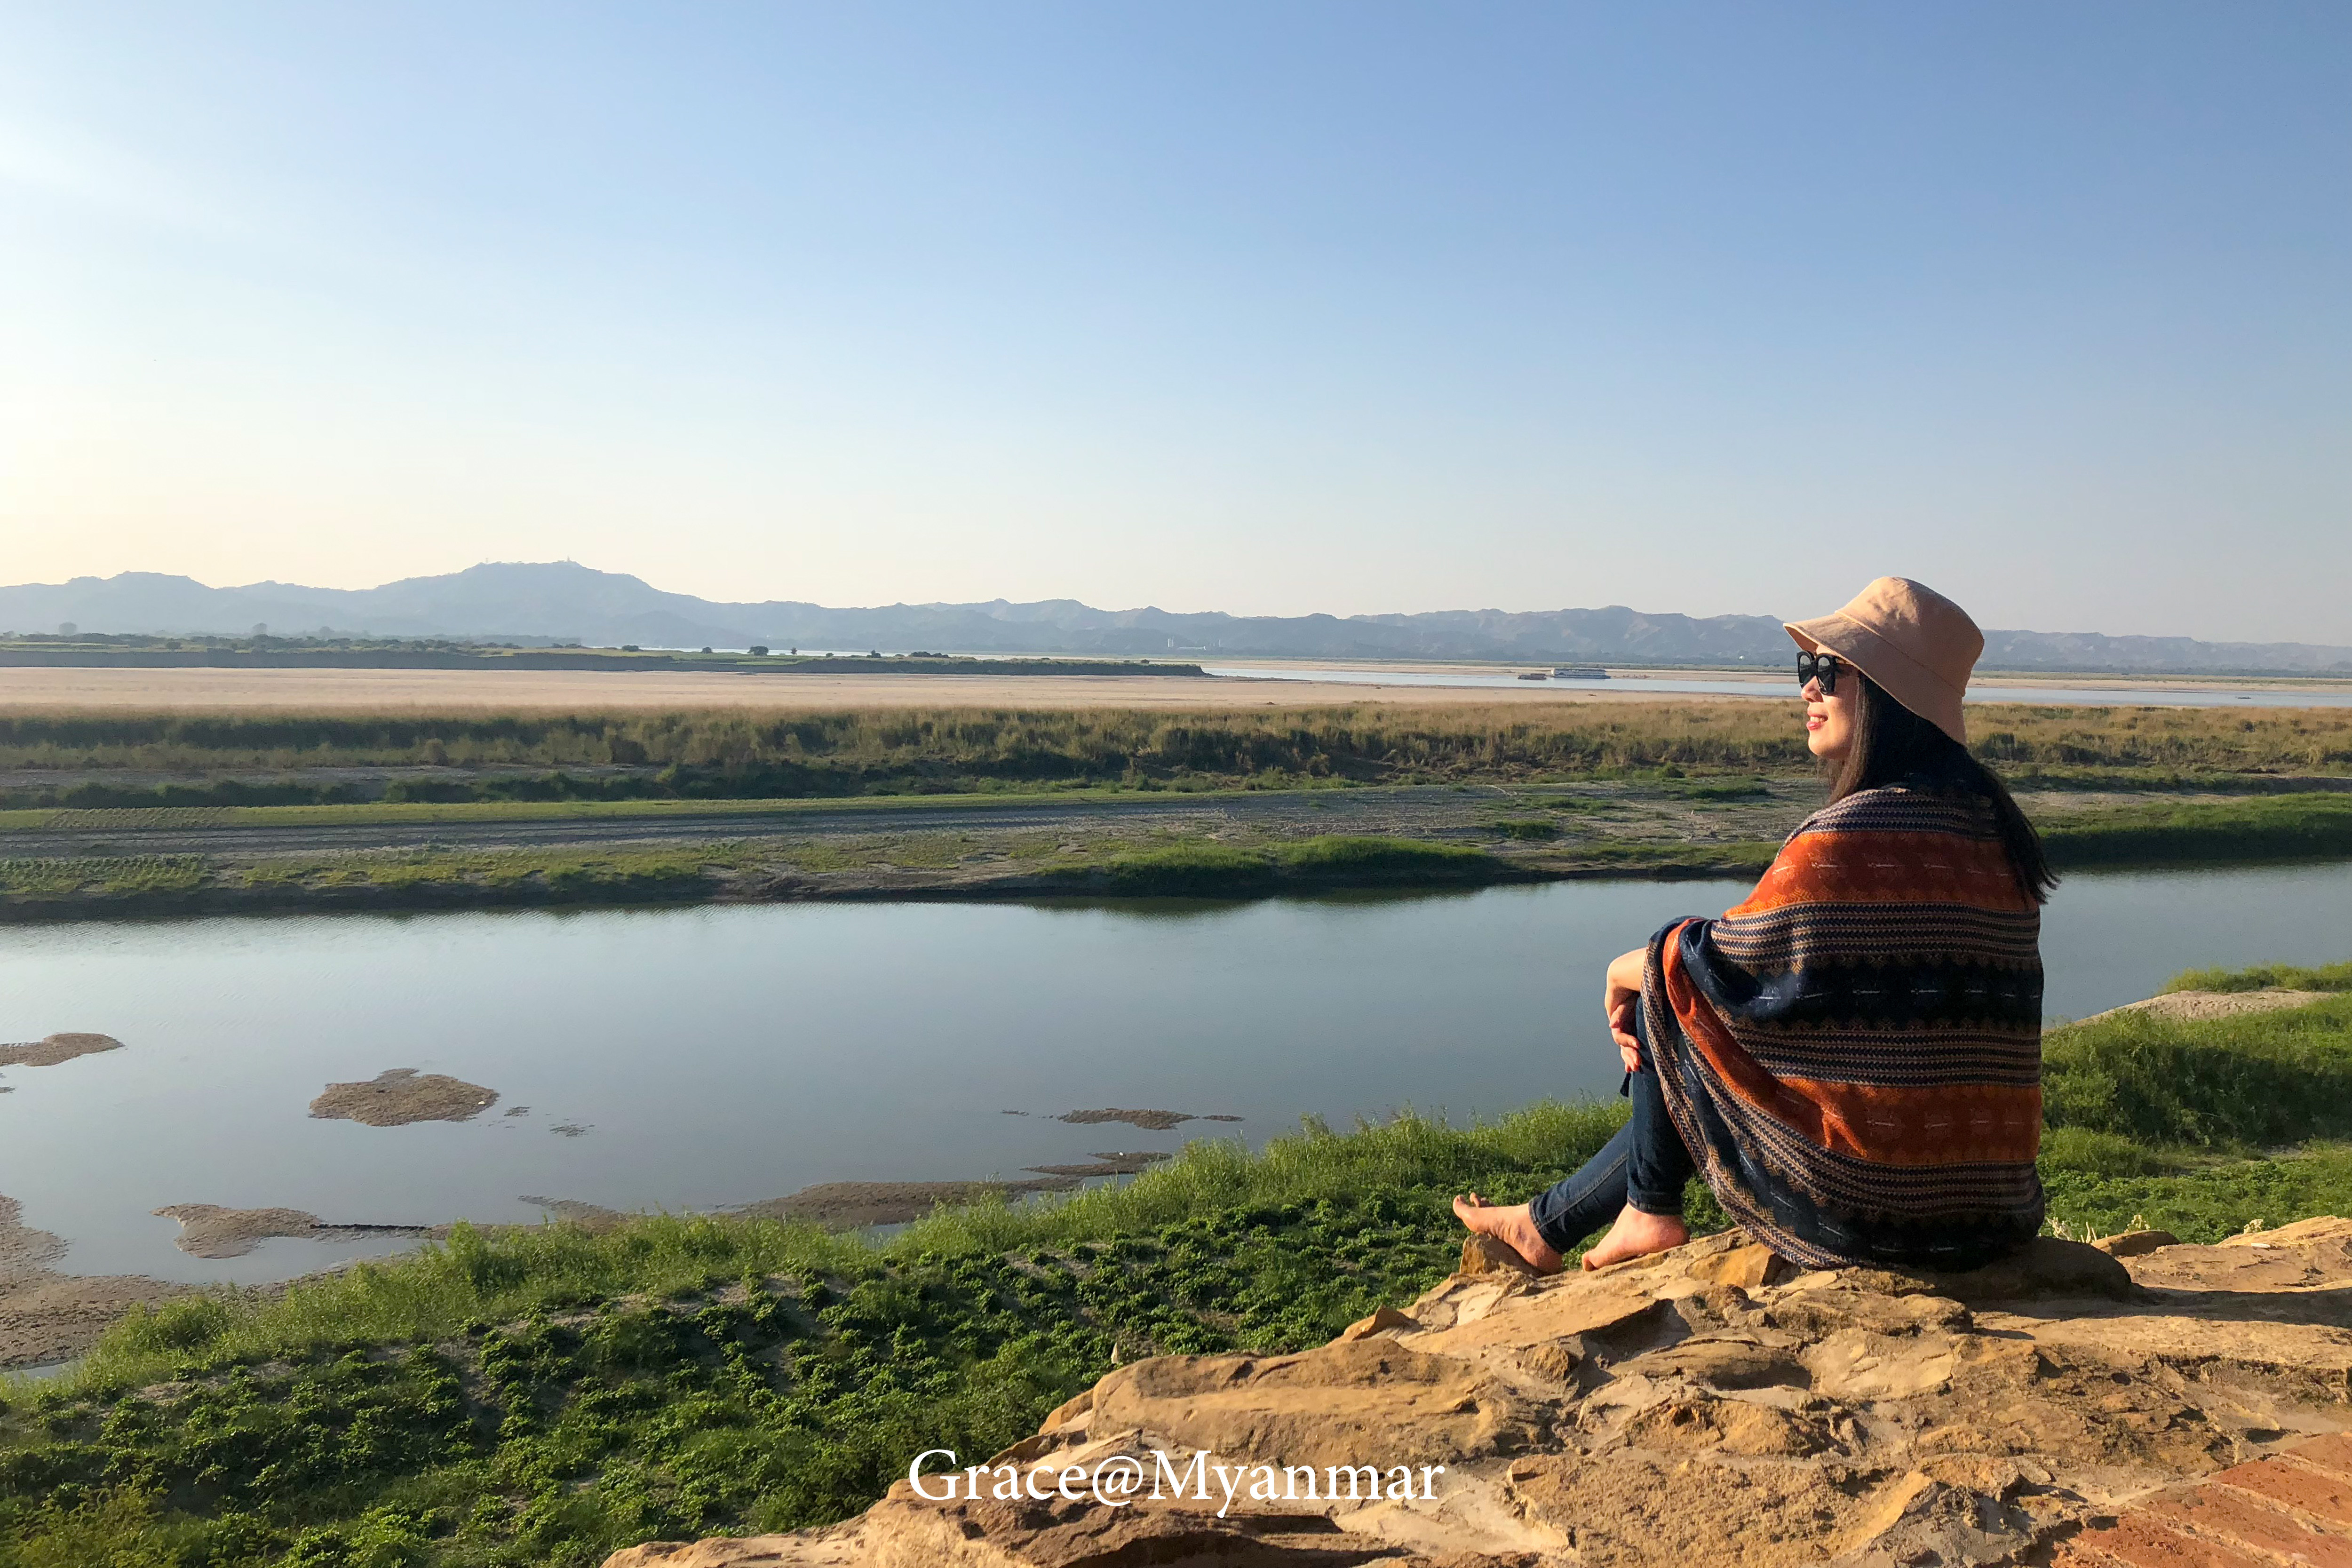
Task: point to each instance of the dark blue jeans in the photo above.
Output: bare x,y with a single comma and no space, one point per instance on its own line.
1644,1165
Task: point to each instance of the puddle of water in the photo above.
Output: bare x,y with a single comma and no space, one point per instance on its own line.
726,1055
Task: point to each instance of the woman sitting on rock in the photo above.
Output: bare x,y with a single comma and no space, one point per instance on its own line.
1852,1058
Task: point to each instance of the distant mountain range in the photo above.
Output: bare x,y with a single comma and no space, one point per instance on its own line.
565,601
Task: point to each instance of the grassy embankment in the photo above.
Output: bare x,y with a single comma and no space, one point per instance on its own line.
2264,828
538,1396
443,879
654,766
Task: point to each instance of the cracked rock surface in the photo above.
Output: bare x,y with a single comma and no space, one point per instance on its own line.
1709,1405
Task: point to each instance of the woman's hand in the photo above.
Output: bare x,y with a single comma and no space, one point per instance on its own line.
1620,997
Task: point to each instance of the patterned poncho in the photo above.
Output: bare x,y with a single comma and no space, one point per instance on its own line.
1853,1054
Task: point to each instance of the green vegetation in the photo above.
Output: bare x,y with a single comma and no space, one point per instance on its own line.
421,877
2264,977
396,814
1657,858
737,755
2275,828
125,877
2255,1081
1727,791
2198,1202
427,877
1205,867
2179,1124
445,879
541,1395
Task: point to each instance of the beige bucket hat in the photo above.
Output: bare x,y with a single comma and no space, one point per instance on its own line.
1916,644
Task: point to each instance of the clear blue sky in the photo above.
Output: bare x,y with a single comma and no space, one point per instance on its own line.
1258,307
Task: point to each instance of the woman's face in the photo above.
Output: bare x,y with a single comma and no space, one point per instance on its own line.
1829,715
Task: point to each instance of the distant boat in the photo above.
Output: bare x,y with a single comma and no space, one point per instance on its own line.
1578,672
1533,675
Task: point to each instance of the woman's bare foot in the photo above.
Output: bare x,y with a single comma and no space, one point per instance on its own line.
1513,1227
1635,1235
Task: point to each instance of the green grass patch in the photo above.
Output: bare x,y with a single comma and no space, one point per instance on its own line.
1752,790
101,877
391,814
420,877
1207,868
597,874
1667,857
2265,827
2200,1204
2266,977
2253,1081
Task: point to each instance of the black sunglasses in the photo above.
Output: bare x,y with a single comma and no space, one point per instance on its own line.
1821,667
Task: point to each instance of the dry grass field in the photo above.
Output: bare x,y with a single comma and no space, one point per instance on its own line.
1413,734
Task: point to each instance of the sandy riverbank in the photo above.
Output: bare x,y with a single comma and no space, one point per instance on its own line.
46,1315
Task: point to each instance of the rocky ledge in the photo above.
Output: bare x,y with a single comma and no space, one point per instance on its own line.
2128,1402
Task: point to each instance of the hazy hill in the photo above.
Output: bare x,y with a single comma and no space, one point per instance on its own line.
565,600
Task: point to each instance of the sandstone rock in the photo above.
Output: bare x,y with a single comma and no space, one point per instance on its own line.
2046,1266
1745,1267
1485,1254
2302,1233
1388,1319
1069,1412
1687,1411
2131,1243
1337,1406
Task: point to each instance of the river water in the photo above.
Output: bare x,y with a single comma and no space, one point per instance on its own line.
724,1055
1785,687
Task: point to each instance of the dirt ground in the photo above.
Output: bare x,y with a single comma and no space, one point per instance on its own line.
445,690
54,1050
2200,1004
208,1230
402,1095
977,828
572,1211
847,1204
1149,1121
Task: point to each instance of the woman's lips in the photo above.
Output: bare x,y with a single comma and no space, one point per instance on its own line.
1814,720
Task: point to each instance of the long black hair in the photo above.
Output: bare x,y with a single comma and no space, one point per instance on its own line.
1894,745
